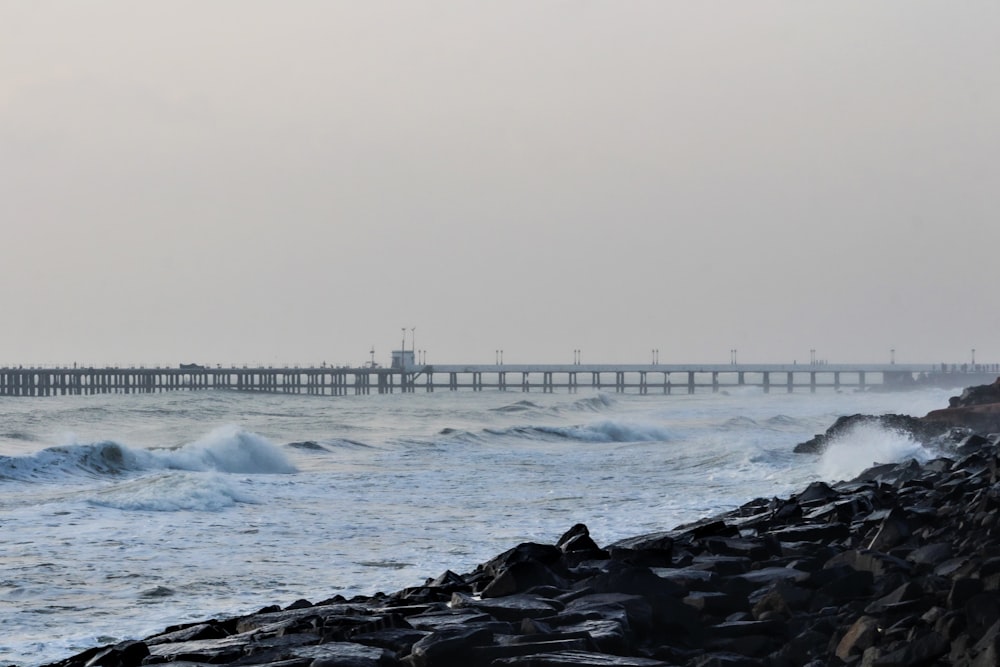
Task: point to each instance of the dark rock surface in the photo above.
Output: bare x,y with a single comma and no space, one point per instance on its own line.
900,566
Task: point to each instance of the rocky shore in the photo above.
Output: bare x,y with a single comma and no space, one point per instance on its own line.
900,566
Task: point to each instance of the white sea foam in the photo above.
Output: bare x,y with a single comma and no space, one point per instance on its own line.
865,445
172,492
619,431
227,449
58,463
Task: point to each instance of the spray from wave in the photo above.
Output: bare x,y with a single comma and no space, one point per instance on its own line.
226,450
866,444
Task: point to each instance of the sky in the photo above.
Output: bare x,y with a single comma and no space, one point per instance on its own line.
250,181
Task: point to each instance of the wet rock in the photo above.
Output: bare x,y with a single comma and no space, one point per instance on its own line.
125,654
215,651
510,607
577,541
447,647
893,531
343,654
783,598
978,395
922,650
399,641
522,576
862,634
981,612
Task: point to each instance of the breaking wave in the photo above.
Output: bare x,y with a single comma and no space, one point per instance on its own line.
227,450
520,406
173,492
858,448
603,431
597,403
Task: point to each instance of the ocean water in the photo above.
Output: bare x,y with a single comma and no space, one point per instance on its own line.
123,514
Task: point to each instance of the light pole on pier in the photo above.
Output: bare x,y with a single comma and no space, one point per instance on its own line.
973,356
812,357
892,356
402,350
732,356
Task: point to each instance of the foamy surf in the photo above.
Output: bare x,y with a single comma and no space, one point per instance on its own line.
865,445
173,492
227,450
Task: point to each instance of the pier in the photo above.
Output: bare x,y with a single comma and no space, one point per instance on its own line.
618,378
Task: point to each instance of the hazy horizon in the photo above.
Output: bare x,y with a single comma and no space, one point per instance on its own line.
243,181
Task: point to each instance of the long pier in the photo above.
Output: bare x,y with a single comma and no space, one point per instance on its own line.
635,378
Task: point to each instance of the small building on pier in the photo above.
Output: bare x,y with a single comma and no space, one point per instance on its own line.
403,359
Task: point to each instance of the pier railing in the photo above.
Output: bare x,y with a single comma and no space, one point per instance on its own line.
635,378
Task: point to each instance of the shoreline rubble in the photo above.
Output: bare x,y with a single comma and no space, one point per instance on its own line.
900,566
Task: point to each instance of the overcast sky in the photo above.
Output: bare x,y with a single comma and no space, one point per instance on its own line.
249,181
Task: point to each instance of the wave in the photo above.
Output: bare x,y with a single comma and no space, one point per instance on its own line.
17,435
741,422
98,459
597,403
227,449
173,492
603,431
520,406
328,446
782,421
867,444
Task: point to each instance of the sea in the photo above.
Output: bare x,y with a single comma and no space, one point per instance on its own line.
123,514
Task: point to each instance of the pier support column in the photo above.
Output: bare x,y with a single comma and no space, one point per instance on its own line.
767,382
791,381
690,382
812,382
715,382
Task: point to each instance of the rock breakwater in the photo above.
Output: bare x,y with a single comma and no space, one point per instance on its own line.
900,566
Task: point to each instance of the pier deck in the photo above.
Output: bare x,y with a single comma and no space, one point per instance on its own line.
547,378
